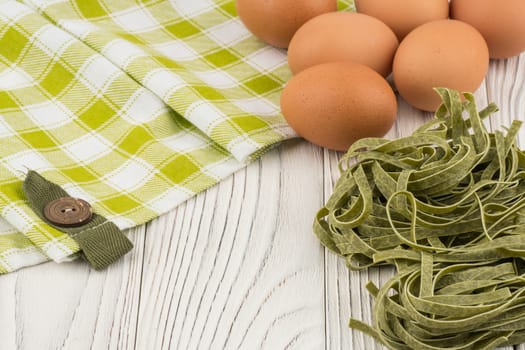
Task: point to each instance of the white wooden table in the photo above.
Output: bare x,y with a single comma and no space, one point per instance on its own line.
236,267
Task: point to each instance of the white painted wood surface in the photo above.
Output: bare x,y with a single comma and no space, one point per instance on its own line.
236,267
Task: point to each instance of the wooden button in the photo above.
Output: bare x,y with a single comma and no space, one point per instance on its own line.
68,212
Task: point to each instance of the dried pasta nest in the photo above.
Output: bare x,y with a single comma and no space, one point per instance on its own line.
444,205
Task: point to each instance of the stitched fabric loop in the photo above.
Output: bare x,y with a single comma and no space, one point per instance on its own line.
100,240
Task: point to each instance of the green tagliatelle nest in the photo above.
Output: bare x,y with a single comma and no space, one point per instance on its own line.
446,206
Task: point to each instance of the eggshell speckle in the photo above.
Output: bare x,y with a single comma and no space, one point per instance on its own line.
501,22
445,53
276,21
343,36
335,104
404,15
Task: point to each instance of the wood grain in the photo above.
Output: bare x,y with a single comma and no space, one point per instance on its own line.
224,270
235,267
70,306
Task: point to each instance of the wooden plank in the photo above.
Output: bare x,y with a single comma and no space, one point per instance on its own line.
505,85
70,306
238,265
9,332
345,290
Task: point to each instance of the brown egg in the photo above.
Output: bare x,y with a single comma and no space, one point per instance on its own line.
335,104
343,36
501,22
276,21
404,15
445,53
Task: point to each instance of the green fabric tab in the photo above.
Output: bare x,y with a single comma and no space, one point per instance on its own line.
100,240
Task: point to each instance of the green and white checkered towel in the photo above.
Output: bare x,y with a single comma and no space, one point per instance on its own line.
134,106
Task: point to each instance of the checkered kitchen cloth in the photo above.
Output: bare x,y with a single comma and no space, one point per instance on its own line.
134,106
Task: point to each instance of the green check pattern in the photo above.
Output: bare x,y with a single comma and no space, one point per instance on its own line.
134,106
